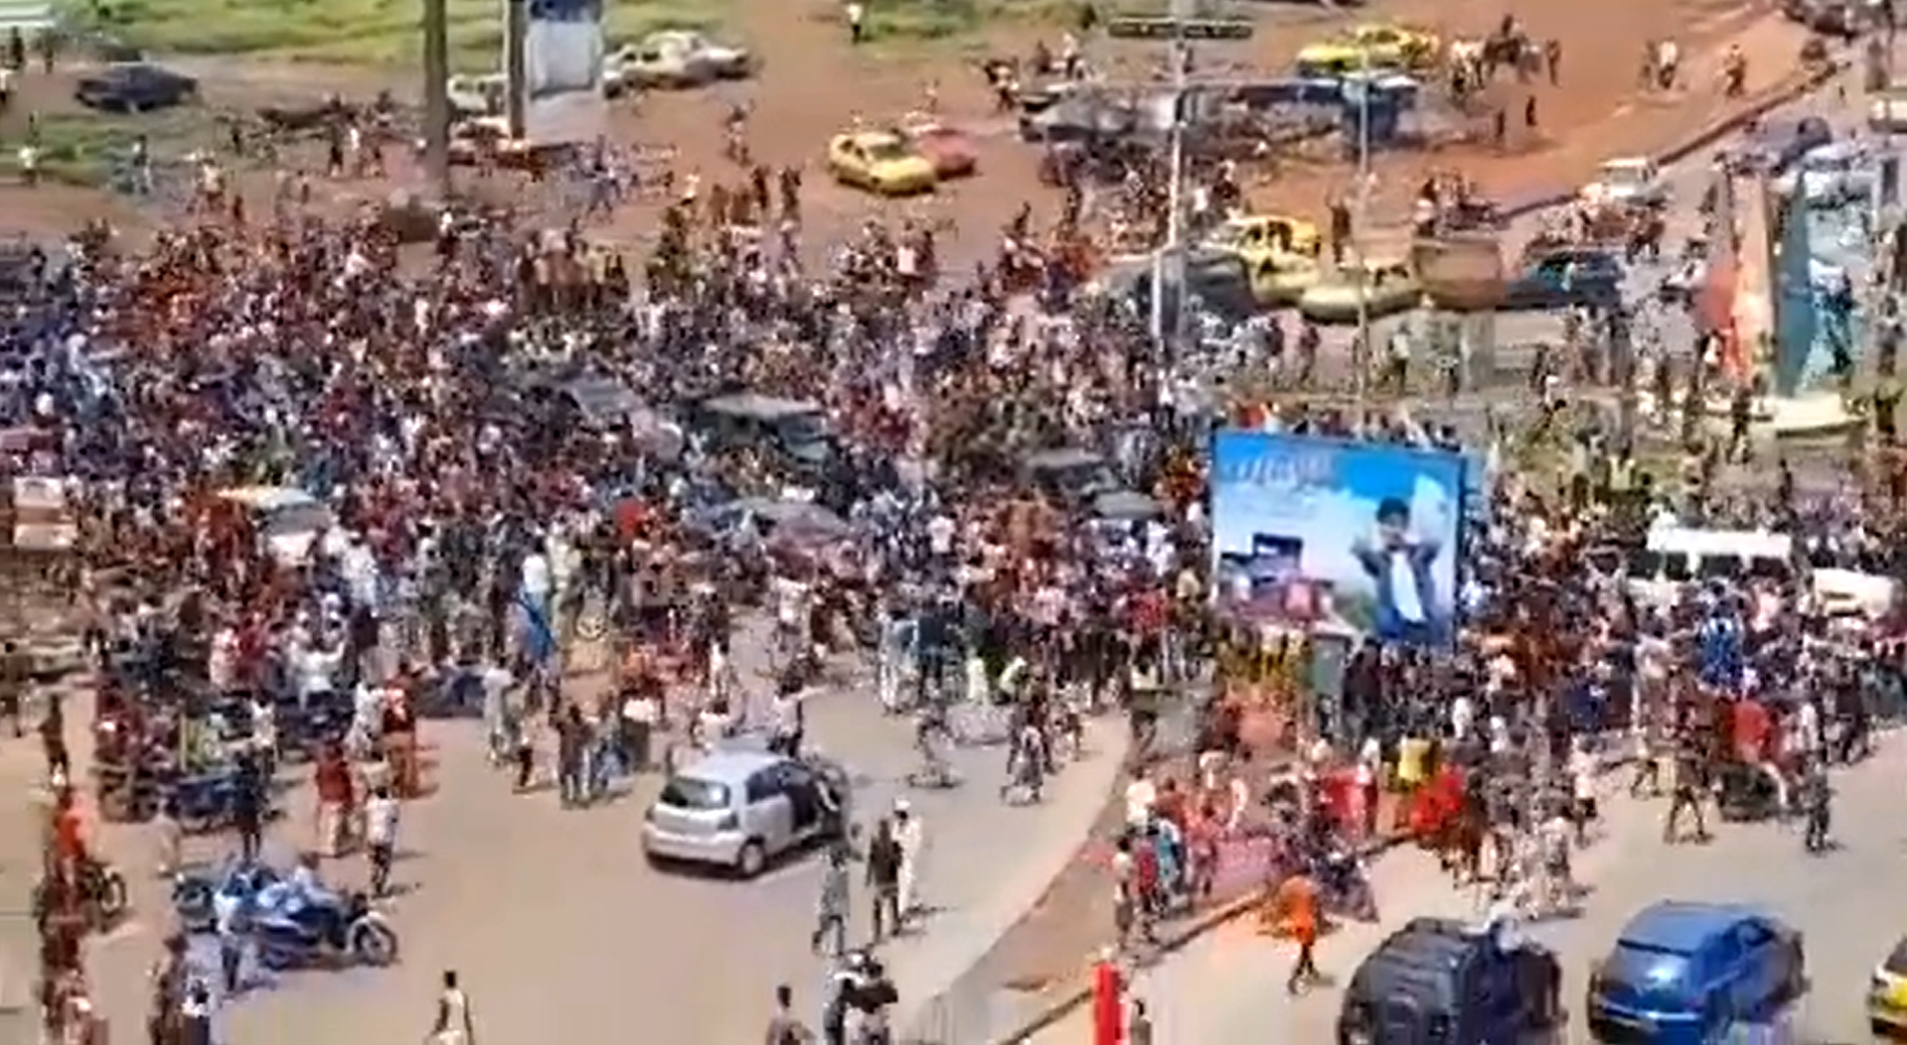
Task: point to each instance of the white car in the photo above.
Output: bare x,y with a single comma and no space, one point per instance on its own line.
1832,174
478,95
676,59
1633,180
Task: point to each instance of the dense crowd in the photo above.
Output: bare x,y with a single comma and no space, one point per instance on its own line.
482,455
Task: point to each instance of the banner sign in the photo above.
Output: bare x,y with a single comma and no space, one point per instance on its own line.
1369,531
563,53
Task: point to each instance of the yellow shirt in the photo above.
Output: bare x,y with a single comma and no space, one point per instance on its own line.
1411,756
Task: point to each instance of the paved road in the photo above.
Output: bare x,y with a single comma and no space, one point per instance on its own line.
1226,986
562,933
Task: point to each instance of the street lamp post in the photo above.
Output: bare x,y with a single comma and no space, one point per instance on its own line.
437,94
1180,26
1360,211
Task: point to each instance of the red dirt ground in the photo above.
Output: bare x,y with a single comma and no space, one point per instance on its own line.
813,84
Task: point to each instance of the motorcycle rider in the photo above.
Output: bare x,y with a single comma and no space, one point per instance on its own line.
303,900
862,994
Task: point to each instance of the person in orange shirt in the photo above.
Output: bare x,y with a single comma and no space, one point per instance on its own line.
1300,904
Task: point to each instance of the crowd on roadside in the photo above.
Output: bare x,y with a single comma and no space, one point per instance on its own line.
482,453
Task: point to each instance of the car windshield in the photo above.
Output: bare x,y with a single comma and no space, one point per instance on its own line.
685,792
884,150
1896,962
801,428
1624,174
1659,974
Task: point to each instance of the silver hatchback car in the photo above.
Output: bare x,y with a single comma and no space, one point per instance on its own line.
740,809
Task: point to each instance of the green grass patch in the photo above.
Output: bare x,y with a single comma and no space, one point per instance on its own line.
86,149
927,21
357,32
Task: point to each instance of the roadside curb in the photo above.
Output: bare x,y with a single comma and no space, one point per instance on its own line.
1715,130
1181,937
1184,935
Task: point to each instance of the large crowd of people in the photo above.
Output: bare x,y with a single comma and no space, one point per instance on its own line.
324,482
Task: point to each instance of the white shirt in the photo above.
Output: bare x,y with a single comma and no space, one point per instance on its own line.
1404,594
536,575
380,820
1141,795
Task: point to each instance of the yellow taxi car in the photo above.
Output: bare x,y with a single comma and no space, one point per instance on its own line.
1373,46
1251,235
1278,280
1887,996
1384,288
883,162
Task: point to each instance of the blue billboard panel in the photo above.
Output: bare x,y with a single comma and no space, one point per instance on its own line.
1367,533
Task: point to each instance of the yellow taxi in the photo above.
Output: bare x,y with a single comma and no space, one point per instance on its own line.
1373,46
1887,995
881,162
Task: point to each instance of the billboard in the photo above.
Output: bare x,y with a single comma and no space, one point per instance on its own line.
563,54
1359,536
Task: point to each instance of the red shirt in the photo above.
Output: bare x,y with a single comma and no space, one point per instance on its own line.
333,780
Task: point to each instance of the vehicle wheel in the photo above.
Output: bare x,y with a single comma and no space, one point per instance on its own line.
114,899
751,861
192,900
374,943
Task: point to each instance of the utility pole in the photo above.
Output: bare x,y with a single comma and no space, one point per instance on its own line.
1360,212
437,94
516,74
1180,26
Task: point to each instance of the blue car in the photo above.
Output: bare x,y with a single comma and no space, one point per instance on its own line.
1693,972
1566,278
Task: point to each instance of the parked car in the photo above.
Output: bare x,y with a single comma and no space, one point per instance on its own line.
952,151
1887,110
1369,46
676,59
1774,145
135,87
1437,972
1887,995
737,810
1692,972
1833,174
1564,279
795,430
1385,288
1629,181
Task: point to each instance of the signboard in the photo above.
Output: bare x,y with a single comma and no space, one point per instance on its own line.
1370,532
563,54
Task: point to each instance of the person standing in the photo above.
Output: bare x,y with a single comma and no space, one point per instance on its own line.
783,1027
857,17
332,778
884,860
454,1025
831,913
380,837
910,834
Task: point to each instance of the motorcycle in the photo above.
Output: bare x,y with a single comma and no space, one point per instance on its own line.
195,897
103,893
344,926
1345,887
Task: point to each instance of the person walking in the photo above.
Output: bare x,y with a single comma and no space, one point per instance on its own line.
831,913
912,838
455,1025
784,1028
380,837
884,859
